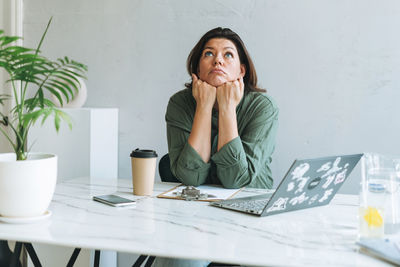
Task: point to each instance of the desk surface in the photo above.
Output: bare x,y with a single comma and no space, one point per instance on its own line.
323,236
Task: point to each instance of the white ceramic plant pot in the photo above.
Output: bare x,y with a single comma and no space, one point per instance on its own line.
27,186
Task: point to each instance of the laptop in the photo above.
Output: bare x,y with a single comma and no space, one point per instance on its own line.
308,183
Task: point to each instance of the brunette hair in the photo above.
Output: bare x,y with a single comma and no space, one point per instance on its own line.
192,62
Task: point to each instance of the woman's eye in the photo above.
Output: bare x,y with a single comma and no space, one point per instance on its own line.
208,54
229,55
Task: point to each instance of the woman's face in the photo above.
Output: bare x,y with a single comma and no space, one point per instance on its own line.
220,63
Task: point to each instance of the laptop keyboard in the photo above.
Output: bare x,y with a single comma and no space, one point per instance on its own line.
253,206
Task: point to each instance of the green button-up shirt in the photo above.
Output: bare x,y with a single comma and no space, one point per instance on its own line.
244,161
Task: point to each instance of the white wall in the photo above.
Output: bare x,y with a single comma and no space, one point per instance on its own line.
333,66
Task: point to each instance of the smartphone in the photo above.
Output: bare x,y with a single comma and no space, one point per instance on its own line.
114,200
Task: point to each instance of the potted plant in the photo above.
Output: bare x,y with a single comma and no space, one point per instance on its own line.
27,180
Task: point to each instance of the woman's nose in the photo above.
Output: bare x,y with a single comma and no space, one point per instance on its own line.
218,60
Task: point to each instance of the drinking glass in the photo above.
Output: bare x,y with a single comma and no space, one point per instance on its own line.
379,211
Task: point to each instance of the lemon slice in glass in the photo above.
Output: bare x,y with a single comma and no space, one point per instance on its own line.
373,217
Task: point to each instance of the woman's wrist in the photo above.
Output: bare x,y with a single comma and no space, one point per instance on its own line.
227,126
204,108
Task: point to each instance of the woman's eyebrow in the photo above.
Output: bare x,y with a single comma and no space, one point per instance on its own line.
212,48
229,47
209,47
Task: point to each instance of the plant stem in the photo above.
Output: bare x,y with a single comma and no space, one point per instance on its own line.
20,148
15,92
23,91
21,155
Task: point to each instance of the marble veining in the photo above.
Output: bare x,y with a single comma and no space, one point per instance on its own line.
322,236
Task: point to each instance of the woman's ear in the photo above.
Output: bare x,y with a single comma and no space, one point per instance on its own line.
242,70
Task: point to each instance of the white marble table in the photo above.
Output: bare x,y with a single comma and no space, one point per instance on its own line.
322,236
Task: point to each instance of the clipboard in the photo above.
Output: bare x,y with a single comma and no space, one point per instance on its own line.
217,192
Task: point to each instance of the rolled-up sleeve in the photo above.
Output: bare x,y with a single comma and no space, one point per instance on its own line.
245,160
186,163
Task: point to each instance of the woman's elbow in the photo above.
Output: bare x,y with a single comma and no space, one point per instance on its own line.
190,179
234,184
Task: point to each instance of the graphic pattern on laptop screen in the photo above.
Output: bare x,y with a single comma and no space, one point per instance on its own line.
311,183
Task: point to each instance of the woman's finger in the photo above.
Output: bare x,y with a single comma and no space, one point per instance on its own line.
194,78
241,83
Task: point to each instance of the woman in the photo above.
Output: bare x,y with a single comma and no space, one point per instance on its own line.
221,129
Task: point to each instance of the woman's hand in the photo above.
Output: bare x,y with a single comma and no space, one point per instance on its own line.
229,94
200,136
203,93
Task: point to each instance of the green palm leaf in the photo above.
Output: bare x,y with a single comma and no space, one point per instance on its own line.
29,71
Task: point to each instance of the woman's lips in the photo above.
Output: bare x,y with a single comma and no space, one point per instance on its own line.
217,71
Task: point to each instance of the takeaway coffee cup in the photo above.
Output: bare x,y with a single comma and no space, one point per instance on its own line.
143,171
